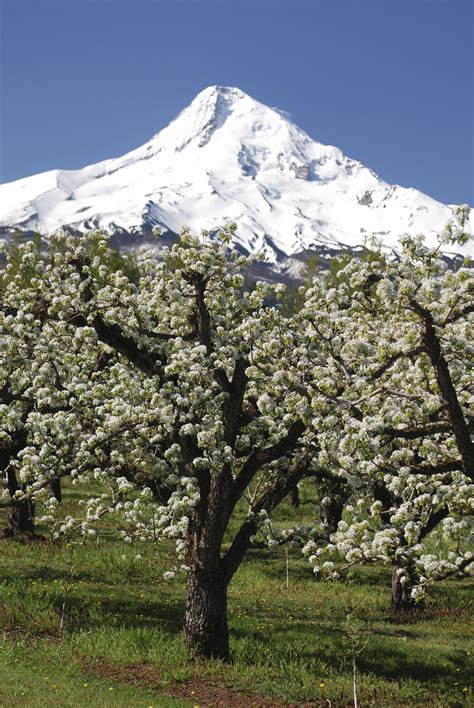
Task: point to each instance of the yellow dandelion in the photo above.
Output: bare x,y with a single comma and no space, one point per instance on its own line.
85,685
322,684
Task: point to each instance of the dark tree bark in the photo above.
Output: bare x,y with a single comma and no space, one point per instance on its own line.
331,513
401,594
20,520
205,628
448,391
56,489
205,625
21,513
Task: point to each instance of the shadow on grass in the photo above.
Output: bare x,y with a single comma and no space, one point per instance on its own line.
97,611
393,665
331,649
87,601
48,574
273,566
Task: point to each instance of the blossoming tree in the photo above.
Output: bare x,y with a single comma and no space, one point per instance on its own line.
206,406
43,362
397,388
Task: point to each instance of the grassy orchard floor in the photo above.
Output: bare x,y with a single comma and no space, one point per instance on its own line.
121,644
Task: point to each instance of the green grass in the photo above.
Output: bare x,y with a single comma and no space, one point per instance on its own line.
42,674
122,631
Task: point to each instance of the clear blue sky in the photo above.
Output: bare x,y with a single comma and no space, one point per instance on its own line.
390,82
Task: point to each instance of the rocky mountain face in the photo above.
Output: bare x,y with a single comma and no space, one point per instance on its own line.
227,157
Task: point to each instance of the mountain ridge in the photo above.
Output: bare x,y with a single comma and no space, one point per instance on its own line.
227,157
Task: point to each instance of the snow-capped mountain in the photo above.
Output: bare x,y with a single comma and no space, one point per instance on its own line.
227,157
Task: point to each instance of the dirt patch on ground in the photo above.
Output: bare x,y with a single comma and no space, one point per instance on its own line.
429,612
196,691
205,694
18,634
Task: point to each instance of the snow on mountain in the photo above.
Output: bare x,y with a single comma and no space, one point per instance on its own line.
227,157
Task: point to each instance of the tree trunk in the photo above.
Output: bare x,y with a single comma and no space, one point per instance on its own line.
21,519
336,494
331,515
56,489
21,513
401,594
205,628
448,390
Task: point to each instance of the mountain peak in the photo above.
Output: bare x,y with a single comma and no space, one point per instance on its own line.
209,111
229,93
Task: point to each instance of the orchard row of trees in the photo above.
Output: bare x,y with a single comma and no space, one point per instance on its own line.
176,399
